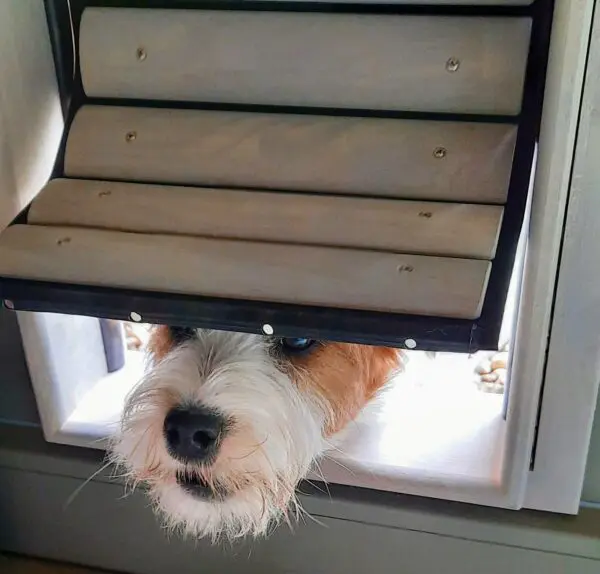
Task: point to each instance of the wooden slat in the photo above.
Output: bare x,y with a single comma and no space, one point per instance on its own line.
366,156
391,225
306,59
256,271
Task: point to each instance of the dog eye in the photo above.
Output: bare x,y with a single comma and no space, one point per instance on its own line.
181,335
296,344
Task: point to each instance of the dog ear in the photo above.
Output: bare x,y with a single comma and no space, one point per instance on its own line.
347,376
379,364
161,342
164,338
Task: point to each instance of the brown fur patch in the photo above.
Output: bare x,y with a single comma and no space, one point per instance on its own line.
160,342
347,376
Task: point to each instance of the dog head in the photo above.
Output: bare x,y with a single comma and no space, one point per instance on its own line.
224,425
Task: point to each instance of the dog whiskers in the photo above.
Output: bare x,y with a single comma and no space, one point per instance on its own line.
306,514
263,505
315,487
331,446
340,464
319,471
256,448
76,492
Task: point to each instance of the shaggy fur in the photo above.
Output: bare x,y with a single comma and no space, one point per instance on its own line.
282,409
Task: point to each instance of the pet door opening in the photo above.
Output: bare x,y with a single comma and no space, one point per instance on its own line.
440,423
441,419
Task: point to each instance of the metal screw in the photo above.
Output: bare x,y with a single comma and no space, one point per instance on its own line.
104,193
267,329
410,344
426,214
452,65
405,268
135,316
63,240
130,136
440,152
141,54
9,304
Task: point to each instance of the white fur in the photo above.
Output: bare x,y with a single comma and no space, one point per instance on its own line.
276,435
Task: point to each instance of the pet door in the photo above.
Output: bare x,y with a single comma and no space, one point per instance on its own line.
341,172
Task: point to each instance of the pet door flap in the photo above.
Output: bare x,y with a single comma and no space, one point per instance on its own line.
356,174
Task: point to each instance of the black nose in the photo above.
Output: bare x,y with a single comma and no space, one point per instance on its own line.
192,433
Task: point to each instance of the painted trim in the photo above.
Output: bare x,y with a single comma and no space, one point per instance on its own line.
573,366
563,95
65,357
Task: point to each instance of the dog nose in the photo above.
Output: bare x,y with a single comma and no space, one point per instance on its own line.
192,433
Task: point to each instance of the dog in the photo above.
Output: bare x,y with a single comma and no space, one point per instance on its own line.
223,426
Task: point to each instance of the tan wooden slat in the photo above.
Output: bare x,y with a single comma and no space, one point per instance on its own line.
306,59
366,156
320,276
461,230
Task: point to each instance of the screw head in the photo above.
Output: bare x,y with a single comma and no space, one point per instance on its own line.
405,268
136,317
141,54
267,329
130,136
452,65
426,214
410,344
440,152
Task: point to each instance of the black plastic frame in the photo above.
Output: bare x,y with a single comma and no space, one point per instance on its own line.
429,333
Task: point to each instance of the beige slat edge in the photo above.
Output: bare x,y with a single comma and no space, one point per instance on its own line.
364,156
451,229
31,122
306,59
257,271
